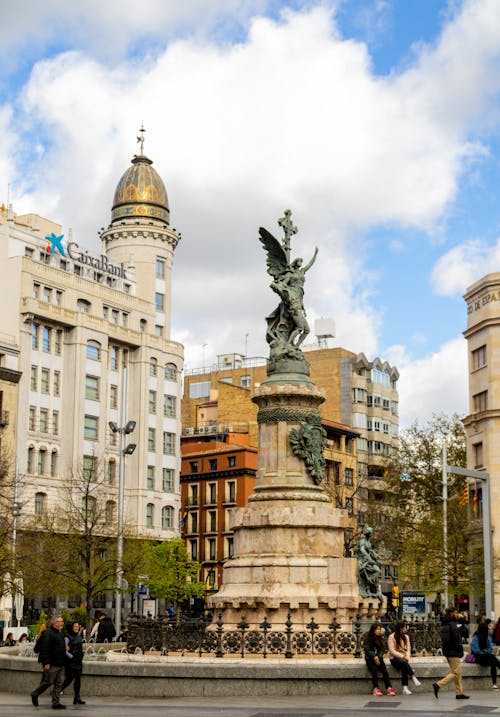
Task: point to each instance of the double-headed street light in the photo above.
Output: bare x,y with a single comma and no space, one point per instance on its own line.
125,450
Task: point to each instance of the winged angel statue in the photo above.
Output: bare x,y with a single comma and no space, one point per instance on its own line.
287,325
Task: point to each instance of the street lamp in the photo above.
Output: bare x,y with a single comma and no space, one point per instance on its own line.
125,450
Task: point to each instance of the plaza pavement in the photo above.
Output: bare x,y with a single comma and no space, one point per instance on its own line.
421,702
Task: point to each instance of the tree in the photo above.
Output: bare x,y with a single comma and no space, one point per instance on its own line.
410,526
77,539
172,575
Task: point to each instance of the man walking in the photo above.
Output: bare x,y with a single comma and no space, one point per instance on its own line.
453,651
52,657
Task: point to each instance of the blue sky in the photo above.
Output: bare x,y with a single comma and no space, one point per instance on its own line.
375,121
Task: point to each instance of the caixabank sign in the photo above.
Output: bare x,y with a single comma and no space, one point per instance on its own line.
101,263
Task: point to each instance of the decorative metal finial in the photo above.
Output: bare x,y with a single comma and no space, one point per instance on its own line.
141,138
289,230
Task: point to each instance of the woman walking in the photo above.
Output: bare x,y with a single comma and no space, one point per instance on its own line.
74,662
481,646
374,658
400,652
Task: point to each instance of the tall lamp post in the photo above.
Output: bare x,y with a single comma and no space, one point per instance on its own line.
125,450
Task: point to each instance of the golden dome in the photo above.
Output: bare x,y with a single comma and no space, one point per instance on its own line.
140,193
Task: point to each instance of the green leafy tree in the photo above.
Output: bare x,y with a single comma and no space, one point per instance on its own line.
172,575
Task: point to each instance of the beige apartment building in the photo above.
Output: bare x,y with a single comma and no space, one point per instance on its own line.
89,336
482,425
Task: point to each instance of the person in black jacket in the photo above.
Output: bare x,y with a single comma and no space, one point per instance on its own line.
53,658
74,662
374,657
106,630
453,651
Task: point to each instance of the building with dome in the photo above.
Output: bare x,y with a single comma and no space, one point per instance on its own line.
89,336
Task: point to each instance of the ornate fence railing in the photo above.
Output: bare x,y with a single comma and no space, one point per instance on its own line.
197,637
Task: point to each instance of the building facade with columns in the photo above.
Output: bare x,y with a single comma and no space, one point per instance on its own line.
90,339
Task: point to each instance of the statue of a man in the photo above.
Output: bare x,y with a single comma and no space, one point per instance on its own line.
287,325
368,566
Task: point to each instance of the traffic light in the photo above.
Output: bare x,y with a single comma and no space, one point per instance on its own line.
395,596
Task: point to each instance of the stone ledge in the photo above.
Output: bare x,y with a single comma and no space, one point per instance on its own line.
178,677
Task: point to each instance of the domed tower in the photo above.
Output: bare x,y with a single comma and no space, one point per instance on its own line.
140,235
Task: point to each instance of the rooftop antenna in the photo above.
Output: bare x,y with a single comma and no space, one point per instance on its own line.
141,138
324,329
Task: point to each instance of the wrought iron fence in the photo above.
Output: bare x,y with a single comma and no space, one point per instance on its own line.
198,637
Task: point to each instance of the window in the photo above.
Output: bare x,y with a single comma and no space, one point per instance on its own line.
111,472
169,406
89,468
349,476
44,420
168,479
124,319
92,388
28,251
57,383
110,511
479,357
143,324
478,454
47,294
31,459
231,461
113,396
245,381
55,423
151,439
32,419
88,508
349,506
211,549
213,464
230,547
93,350
91,426
114,316
34,336
112,437
114,358
150,509
212,488
36,290
212,521
194,522
194,549
200,389
152,401
153,367
170,371
57,342
33,381
193,466
168,443
160,269
151,478
45,380
193,498
480,401
105,312
231,491
42,461
159,301
46,333
53,463
158,330
59,295
83,306
40,503
167,517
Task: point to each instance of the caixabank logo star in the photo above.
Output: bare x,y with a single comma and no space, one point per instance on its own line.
55,242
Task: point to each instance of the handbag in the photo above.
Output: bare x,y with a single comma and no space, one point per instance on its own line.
469,657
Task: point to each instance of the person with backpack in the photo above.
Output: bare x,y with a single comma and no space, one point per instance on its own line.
453,650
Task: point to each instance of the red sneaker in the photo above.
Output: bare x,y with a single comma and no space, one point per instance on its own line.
377,692
390,692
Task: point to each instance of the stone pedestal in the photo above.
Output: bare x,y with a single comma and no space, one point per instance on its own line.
288,540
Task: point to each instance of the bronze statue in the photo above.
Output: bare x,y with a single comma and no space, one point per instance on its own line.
368,566
287,325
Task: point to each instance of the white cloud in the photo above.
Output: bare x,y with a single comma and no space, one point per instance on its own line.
436,383
463,265
291,116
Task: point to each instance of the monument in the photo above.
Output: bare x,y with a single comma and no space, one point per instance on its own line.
289,539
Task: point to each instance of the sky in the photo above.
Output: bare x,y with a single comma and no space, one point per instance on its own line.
377,122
